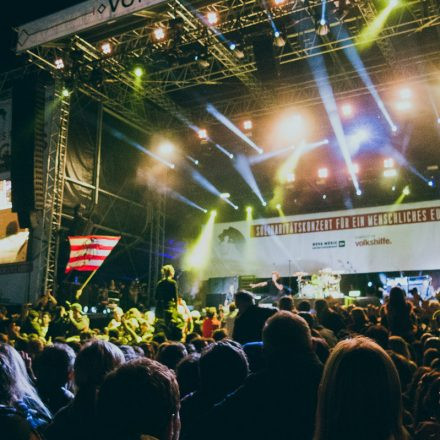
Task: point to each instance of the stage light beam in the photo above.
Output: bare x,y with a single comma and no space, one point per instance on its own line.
59,64
159,34
106,48
212,18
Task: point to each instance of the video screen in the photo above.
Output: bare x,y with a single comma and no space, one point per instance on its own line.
13,240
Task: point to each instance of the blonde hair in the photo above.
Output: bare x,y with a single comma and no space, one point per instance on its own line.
167,271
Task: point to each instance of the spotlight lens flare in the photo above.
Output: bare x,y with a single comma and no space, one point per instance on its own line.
347,110
406,191
323,173
138,72
159,33
278,206
202,134
212,17
59,63
106,48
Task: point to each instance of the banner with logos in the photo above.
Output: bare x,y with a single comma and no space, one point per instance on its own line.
379,239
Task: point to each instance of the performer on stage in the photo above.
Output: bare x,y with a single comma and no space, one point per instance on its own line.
275,287
166,293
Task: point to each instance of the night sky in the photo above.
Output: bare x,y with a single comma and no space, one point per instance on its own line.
18,14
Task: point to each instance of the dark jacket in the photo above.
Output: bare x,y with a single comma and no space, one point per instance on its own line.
248,326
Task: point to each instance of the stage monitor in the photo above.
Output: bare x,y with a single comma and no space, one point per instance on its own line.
13,240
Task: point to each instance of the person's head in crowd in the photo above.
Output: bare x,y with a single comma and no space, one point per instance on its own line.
129,352
160,337
149,349
170,353
167,271
435,364
359,395
432,342
219,334
379,334
141,398
232,307
53,368
429,355
255,356
286,335
187,372
399,345
423,405
405,368
304,306
199,344
308,317
321,306
216,381
45,319
286,303
243,300
191,336
358,317
412,387
15,384
211,312
117,314
321,348
397,300
34,346
425,336
93,362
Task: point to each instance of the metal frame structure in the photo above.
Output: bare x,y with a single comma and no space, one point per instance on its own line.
156,102
54,190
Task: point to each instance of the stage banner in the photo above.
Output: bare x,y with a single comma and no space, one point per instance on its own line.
5,136
379,239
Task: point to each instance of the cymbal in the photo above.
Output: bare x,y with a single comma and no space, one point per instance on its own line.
300,274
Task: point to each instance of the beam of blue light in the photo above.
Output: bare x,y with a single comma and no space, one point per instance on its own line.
244,169
319,71
205,183
323,9
181,198
121,136
305,148
224,150
227,123
191,159
356,61
276,32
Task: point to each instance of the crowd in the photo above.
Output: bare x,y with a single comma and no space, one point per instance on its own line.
317,371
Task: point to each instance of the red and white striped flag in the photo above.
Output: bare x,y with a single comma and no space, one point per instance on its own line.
88,252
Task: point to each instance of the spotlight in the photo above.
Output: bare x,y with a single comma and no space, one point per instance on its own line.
290,177
394,129
205,211
388,162
138,71
370,284
405,93
279,2
323,173
406,191
278,206
212,17
393,188
393,3
249,209
166,149
159,34
360,136
232,46
264,203
225,195
59,63
323,28
202,134
324,196
438,120
358,192
65,92
391,172
106,48
431,183
247,125
213,213
347,110
279,41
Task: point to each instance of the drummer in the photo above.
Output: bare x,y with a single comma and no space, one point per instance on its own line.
275,286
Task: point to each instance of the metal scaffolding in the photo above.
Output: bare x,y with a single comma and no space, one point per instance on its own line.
54,188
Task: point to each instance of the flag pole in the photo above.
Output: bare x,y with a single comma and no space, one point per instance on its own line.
80,290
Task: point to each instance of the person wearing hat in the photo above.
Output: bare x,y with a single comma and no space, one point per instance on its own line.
78,321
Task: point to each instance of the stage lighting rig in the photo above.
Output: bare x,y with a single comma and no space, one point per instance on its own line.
59,63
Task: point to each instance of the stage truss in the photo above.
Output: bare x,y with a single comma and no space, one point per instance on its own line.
155,105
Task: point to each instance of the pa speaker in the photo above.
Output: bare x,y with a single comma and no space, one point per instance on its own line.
27,147
215,299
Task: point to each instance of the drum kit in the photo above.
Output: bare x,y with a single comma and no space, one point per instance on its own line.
326,282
